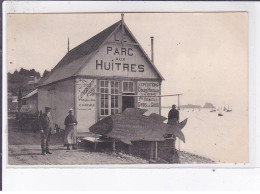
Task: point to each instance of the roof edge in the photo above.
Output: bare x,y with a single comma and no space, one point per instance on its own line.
91,54
148,58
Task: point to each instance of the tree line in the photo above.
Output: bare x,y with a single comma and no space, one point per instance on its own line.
18,80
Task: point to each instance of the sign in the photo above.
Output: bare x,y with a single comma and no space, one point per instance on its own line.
146,88
116,59
86,99
122,59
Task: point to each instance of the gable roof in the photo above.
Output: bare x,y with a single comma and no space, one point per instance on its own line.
32,93
72,62
88,46
62,70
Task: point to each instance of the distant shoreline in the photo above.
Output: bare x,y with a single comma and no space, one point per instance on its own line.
186,107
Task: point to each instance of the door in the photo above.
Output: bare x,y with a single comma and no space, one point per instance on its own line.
52,104
128,102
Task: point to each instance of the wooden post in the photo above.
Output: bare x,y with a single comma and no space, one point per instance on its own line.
95,143
178,121
160,100
130,149
174,142
156,152
178,101
151,154
114,146
174,150
179,144
122,35
95,146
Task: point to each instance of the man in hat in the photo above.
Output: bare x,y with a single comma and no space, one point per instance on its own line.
173,119
173,116
70,139
47,128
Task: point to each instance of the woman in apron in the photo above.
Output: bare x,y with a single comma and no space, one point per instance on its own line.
70,138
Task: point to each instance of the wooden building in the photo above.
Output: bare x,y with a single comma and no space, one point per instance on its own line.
102,76
12,101
30,101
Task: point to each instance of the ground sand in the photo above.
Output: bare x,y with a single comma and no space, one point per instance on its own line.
31,155
24,149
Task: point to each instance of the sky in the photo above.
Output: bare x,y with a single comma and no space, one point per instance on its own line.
204,56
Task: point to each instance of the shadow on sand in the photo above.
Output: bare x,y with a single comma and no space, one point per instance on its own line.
26,154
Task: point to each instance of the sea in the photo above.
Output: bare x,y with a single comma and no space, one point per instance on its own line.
223,139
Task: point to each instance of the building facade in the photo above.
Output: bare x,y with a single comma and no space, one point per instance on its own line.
102,76
12,102
30,102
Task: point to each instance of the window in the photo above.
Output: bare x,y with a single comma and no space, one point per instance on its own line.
104,98
109,101
128,87
114,97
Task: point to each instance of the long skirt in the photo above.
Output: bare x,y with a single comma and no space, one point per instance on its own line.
70,136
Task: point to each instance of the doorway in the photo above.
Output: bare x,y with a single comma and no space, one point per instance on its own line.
52,104
128,102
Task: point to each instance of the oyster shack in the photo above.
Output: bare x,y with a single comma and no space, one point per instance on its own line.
102,76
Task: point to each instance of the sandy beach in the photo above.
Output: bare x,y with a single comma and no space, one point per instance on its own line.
24,149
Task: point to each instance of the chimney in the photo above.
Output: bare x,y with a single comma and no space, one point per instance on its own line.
68,44
122,17
152,49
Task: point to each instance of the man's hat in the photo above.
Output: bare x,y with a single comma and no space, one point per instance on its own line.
47,109
71,110
173,105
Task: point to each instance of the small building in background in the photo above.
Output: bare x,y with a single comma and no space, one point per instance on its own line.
30,102
12,101
33,82
102,76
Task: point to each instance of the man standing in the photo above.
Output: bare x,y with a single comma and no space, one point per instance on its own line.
173,119
46,128
173,116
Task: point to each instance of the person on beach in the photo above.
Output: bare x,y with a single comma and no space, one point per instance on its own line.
47,128
173,116
70,139
173,119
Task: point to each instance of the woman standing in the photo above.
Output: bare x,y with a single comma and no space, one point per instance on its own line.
70,131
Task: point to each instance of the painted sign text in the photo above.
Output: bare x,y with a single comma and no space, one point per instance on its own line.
86,98
148,91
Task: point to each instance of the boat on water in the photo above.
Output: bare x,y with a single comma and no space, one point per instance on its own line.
220,113
228,110
213,110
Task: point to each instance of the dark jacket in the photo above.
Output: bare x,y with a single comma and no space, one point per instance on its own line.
69,120
173,116
45,124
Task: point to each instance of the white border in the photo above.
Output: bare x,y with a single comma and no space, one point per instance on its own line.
24,172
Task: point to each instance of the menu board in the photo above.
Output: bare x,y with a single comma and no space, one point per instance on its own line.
148,90
86,98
